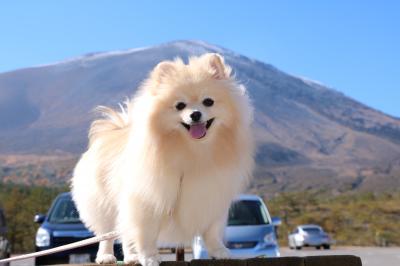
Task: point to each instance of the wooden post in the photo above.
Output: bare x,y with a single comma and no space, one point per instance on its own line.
180,254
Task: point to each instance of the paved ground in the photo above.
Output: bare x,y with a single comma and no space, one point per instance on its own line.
370,256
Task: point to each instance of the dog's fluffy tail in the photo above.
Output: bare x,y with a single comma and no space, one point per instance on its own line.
110,121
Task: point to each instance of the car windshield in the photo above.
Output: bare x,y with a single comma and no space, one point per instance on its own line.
64,211
247,212
312,230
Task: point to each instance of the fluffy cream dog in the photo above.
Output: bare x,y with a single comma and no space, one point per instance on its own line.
167,167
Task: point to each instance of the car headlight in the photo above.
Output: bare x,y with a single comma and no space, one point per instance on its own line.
270,238
42,238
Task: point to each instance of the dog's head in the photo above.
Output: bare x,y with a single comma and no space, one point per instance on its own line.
195,101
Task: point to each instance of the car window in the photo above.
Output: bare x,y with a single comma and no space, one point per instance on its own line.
312,230
64,211
247,212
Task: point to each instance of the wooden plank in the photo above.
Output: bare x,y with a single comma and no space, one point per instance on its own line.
333,260
282,261
222,262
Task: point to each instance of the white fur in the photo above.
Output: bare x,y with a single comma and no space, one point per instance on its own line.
131,180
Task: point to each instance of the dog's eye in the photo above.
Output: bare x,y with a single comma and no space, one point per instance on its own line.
208,102
180,106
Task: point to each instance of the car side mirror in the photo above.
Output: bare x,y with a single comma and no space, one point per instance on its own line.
276,221
39,218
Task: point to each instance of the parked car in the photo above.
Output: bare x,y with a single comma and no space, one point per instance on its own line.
250,231
309,236
62,226
5,247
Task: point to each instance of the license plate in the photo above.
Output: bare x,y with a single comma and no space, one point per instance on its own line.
79,258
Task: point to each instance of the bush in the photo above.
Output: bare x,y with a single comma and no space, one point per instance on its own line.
362,219
20,204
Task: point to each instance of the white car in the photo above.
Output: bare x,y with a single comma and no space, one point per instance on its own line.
309,235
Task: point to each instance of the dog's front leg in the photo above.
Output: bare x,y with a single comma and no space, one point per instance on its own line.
140,228
213,238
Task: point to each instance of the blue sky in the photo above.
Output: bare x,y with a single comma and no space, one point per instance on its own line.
352,46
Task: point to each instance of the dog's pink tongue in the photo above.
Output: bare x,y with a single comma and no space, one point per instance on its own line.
198,131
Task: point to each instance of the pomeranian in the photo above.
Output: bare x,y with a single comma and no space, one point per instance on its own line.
166,167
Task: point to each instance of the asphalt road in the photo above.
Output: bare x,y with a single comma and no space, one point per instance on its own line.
370,256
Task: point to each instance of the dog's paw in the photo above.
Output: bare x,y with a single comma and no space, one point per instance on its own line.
106,259
220,253
131,259
150,260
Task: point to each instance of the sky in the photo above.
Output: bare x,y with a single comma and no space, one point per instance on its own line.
351,46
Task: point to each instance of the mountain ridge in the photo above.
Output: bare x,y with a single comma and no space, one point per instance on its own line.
308,134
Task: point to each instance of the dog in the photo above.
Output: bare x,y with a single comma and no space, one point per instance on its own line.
167,166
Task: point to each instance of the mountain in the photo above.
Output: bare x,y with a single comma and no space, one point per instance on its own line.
309,136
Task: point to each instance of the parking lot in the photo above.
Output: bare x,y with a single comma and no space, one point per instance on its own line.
370,256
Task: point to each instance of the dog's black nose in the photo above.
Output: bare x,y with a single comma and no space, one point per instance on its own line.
196,116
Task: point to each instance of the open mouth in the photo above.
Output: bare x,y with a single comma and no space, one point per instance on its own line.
198,130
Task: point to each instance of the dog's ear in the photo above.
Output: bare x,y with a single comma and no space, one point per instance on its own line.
163,70
216,66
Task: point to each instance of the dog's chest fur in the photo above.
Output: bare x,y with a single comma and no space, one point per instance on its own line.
201,199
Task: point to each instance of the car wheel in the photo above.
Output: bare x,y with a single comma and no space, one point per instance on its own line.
298,248
327,246
318,247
